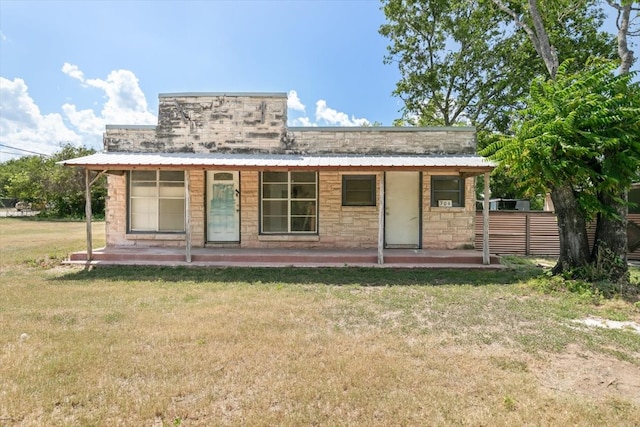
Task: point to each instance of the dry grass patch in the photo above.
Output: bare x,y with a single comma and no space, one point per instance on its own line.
192,347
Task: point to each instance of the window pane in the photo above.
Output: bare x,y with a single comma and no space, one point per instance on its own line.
275,208
171,215
303,177
144,214
223,176
303,223
446,184
303,191
274,191
275,224
358,190
448,195
303,208
172,176
172,189
143,176
274,176
144,189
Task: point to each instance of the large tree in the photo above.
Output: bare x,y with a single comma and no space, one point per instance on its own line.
611,227
579,136
467,61
552,31
610,243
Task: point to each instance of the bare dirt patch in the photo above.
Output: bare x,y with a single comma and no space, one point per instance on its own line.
590,374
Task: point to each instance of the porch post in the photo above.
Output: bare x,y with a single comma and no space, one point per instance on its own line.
187,212
486,258
88,214
381,222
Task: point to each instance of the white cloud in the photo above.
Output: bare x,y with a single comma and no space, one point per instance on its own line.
324,115
303,121
23,126
293,102
126,103
73,71
335,118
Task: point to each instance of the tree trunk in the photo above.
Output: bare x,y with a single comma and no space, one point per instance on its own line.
610,245
609,251
572,230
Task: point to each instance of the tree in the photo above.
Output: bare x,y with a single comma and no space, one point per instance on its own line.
611,227
580,137
610,246
54,189
467,62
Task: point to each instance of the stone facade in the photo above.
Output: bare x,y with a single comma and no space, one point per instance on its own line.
256,123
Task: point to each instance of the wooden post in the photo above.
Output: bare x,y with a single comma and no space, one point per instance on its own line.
381,221
187,202
486,257
88,214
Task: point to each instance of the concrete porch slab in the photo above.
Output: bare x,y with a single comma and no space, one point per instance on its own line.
236,257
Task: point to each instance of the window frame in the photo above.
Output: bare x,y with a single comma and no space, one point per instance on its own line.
460,191
291,199
349,178
156,199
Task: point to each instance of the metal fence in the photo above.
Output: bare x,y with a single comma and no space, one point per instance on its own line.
529,233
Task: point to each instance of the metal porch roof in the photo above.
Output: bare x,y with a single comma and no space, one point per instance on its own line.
124,161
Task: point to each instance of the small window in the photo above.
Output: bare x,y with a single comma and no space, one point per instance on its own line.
358,190
447,191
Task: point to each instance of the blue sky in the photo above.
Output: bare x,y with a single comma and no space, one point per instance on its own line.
68,68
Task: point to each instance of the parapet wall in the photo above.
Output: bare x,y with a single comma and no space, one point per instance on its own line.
256,123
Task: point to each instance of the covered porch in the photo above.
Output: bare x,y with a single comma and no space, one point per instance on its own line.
183,250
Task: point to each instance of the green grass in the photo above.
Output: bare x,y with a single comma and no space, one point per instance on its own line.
265,346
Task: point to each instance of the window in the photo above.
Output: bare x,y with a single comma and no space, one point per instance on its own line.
358,190
289,202
445,189
156,201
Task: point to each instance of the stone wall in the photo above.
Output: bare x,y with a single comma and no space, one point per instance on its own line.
256,123
382,140
339,226
207,123
448,228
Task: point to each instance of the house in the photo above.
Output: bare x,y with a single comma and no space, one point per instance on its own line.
223,170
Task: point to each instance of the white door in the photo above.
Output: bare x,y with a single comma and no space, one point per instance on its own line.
402,210
223,207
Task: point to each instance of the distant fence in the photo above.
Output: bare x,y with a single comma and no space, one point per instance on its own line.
529,233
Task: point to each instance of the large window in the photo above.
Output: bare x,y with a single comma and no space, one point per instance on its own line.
447,191
156,201
289,202
358,190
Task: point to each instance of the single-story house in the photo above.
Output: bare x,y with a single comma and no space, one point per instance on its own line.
223,170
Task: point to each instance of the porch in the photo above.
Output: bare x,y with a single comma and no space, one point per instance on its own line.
232,257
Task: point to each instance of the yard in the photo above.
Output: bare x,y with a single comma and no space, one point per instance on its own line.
358,347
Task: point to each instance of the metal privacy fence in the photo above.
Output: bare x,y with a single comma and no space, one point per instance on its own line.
529,233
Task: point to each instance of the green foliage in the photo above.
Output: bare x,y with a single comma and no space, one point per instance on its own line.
581,129
467,62
55,190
